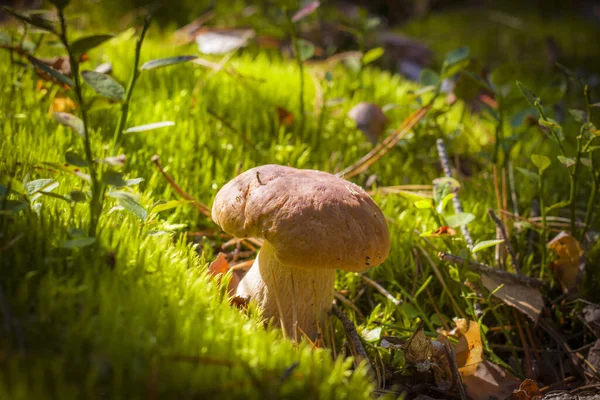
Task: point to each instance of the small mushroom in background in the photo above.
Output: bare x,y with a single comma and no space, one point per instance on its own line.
369,119
312,223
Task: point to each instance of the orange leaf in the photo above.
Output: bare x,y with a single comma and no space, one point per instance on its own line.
444,230
284,116
62,104
220,267
528,390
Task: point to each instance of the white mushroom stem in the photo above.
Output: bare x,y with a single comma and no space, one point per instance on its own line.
269,282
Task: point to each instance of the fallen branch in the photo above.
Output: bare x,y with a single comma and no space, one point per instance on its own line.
485,269
381,149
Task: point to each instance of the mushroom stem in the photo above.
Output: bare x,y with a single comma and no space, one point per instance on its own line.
269,282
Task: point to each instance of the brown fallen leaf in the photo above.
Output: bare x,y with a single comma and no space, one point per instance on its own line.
418,351
591,315
593,358
442,366
528,390
487,380
566,265
369,119
524,298
218,268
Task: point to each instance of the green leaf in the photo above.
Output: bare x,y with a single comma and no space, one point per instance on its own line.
9,207
104,85
114,179
149,127
444,202
429,77
164,62
478,79
485,244
129,203
529,174
78,196
51,71
458,55
86,44
554,127
168,205
586,161
55,195
35,19
75,159
115,161
422,204
569,73
566,161
372,55
78,243
37,185
444,186
459,219
541,162
532,99
71,121
372,335
305,49
579,116
134,181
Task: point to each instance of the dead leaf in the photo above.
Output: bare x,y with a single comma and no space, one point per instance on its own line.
284,116
591,315
526,299
220,267
566,265
305,11
62,104
369,119
469,349
418,351
593,358
487,380
528,390
442,369
221,41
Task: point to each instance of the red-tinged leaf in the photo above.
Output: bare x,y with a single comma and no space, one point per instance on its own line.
444,230
284,116
528,390
305,11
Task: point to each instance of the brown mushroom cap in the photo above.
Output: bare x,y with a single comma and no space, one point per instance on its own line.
311,218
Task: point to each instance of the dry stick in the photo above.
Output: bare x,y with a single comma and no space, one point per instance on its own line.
486,269
344,300
355,344
443,155
438,274
508,245
524,342
381,149
203,208
381,290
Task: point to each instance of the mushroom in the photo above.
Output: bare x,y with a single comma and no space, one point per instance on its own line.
312,223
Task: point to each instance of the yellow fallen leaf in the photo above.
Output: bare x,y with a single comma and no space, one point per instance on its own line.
566,265
469,349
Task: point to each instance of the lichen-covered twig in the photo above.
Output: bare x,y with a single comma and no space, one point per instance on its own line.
443,155
358,351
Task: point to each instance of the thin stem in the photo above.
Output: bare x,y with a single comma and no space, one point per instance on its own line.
573,186
544,233
118,136
96,203
296,47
